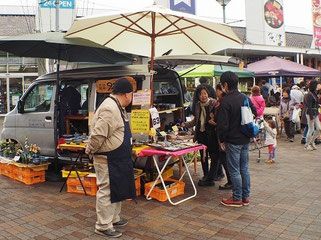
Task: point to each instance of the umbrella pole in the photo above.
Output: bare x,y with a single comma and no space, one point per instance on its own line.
56,113
152,59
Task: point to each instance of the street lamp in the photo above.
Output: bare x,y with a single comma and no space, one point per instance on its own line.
223,3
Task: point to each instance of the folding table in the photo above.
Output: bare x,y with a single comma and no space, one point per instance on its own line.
155,152
80,149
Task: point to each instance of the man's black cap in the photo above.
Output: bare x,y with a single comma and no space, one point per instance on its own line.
122,85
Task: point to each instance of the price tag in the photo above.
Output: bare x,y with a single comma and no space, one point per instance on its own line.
155,118
163,133
175,128
152,132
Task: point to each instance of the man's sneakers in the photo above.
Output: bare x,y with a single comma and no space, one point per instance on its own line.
112,233
109,233
120,223
246,201
230,202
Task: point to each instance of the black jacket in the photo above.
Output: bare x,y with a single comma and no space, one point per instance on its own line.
312,105
229,119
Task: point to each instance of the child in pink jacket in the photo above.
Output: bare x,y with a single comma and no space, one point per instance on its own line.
258,101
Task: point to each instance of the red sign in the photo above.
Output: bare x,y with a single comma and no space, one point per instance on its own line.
316,15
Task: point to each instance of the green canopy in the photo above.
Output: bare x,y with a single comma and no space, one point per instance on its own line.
214,71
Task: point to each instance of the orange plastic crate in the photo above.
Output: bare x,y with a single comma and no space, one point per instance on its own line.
89,183
160,195
30,178
85,181
137,186
90,190
7,170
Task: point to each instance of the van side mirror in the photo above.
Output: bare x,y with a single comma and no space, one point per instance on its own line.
20,106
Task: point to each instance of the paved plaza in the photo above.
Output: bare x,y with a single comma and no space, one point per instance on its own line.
285,204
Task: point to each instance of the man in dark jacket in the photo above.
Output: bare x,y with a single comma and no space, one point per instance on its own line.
234,141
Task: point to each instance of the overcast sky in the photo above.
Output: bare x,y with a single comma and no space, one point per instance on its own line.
297,13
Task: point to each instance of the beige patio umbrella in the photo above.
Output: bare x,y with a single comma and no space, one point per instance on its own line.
153,31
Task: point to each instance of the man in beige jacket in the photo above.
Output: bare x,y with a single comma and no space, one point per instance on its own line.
110,144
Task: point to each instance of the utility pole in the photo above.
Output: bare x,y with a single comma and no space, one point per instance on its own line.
57,15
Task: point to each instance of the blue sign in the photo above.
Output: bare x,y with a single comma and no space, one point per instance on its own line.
67,4
187,6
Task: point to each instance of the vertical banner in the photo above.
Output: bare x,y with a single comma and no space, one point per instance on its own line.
316,15
266,26
274,23
187,6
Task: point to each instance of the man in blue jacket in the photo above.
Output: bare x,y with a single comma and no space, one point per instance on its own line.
235,143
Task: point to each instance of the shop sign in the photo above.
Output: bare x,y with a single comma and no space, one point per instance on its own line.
274,19
266,26
155,117
316,17
140,121
106,86
141,97
67,4
187,6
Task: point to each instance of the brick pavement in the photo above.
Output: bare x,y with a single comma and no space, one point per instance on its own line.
285,204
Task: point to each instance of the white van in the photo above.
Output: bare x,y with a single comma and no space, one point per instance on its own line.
34,114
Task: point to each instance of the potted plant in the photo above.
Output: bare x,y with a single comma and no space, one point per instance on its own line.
32,152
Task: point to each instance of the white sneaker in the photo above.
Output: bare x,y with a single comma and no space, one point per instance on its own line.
313,146
309,147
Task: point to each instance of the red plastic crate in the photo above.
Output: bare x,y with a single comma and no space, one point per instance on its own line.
160,194
30,178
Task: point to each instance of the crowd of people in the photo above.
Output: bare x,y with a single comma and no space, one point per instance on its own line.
217,122
217,125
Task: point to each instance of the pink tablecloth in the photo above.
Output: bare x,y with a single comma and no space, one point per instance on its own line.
153,151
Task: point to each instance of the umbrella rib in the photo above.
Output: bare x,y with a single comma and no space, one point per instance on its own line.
211,30
171,24
104,22
128,27
174,32
186,34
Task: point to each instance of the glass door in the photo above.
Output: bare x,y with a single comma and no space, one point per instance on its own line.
3,95
15,87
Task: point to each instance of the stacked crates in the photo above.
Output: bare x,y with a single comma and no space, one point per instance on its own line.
24,174
29,176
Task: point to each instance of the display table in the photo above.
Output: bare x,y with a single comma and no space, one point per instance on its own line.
155,152
78,148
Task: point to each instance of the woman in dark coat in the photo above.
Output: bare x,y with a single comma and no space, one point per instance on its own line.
312,103
203,106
